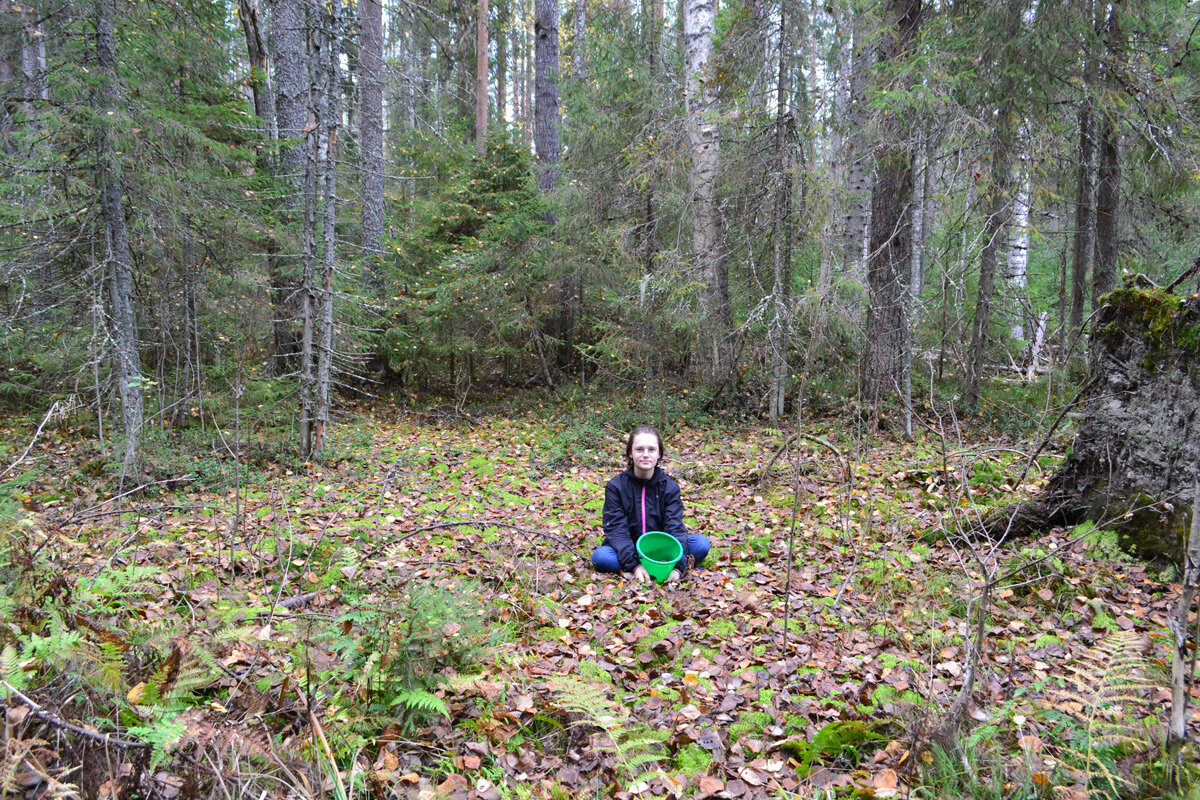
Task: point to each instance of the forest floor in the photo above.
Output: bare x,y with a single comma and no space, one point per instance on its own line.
418,618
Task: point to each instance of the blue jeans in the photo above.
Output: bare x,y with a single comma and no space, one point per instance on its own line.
604,557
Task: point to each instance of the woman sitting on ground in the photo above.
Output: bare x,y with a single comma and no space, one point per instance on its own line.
644,498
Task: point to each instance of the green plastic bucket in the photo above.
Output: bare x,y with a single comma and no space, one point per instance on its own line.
659,552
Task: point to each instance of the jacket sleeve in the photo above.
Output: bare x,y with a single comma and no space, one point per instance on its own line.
616,528
673,519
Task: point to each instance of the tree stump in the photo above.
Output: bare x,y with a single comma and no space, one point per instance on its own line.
1137,441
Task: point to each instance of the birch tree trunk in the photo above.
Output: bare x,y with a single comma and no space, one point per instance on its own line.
1017,256
370,130
124,330
704,138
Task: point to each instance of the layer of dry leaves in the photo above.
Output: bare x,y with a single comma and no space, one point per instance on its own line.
872,604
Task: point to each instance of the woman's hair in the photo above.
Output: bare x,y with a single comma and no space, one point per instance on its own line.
629,443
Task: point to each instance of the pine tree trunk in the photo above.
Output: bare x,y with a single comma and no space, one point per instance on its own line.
889,268
124,331
370,130
707,241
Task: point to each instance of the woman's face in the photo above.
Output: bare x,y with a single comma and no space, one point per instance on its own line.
644,452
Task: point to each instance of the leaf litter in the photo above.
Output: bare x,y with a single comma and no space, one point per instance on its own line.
878,611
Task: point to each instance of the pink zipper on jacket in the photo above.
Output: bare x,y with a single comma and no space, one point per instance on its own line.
643,508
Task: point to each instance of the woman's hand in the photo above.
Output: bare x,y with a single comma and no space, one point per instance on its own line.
674,576
640,575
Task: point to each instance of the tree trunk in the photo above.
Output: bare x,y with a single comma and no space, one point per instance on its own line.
370,143
481,77
126,358
1178,622
260,66
856,152
330,112
781,223
1137,435
289,28
547,124
1108,170
501,36
889,269
998,209
307,289
1017,257
33,62
707,241
1085,212
579,44
1108,185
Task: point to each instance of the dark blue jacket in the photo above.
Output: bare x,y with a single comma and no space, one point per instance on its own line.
623,506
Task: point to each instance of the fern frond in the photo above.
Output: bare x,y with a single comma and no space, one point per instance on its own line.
1108,686
637,748
10,667
421,702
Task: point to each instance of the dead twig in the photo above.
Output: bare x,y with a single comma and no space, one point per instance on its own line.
54,719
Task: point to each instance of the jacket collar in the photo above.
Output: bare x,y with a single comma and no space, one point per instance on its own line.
658,476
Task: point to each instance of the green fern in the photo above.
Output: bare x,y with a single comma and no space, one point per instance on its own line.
160,735
637,748
1108,693
420,702
10,667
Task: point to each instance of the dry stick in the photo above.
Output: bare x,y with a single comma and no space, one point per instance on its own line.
478,524
36,434
787,443
79,516
787,585
1178,623
57,721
